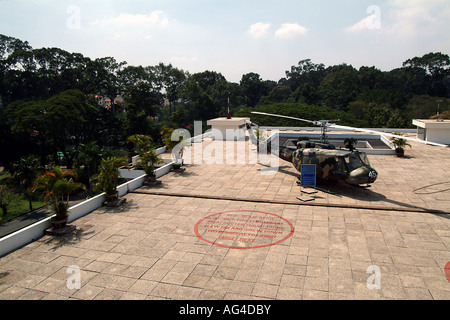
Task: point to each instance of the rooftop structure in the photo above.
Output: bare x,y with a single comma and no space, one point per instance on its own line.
437,131
164,242
228,129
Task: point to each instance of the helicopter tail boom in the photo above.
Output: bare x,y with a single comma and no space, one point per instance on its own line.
388,135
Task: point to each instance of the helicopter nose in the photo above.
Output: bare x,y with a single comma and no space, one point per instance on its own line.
362,175
372,175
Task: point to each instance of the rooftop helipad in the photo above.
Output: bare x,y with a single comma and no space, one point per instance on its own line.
390,241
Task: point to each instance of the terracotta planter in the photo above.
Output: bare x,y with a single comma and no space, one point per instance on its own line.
58,223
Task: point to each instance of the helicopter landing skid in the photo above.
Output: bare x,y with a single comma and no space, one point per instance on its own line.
319,189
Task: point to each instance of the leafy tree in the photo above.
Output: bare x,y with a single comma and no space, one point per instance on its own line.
89,155
340,86
7,196
24,172
278,94
207,79
198,104
436,67
168,80
142,102
131,75
57,185
306,72
225,95
59,123
253,88
298,110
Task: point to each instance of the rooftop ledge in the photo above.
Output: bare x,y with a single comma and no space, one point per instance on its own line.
429,123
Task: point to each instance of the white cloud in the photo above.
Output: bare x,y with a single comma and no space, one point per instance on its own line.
183,59
290,30
126,19
418,17
365,24
259,30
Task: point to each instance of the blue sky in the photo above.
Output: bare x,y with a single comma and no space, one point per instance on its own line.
235,37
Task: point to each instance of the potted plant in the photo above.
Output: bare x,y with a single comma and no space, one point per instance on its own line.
350,143
108,178
399,144
170,144
57,185
148,160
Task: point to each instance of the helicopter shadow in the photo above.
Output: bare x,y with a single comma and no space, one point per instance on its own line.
282,169
369,195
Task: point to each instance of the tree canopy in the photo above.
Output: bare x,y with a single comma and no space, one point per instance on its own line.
49,97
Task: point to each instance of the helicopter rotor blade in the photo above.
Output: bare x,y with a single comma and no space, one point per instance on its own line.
317,123
386,134
324,123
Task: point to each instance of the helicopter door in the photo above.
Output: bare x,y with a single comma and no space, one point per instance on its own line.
309,157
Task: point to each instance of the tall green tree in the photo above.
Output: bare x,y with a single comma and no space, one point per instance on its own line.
436,67
24,173
340,86
253,88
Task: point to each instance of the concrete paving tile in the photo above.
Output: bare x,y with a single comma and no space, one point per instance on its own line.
225,272
164,290
125,254
289,293
175,277
392,292
110,281
33,295
30,281
208,294
316,283
12,293
294,281
264,290
109,294
311,294
142,286
87,292
50,285
363,293
187,293
198,281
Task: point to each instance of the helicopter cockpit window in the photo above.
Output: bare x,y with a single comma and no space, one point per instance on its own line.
340,165
353,162
364,159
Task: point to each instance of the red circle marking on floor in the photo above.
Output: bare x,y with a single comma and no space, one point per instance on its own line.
244,229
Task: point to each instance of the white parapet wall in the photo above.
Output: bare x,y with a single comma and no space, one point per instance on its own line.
390,150
36,230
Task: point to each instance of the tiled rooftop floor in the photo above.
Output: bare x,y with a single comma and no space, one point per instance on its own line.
148,248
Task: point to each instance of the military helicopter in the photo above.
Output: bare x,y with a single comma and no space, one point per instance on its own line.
335,165
332,164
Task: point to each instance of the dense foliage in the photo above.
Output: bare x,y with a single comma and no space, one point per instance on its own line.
50,106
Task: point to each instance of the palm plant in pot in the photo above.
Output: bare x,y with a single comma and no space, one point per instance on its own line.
148,160
399,144
350,143
57,185
175,146
108,178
